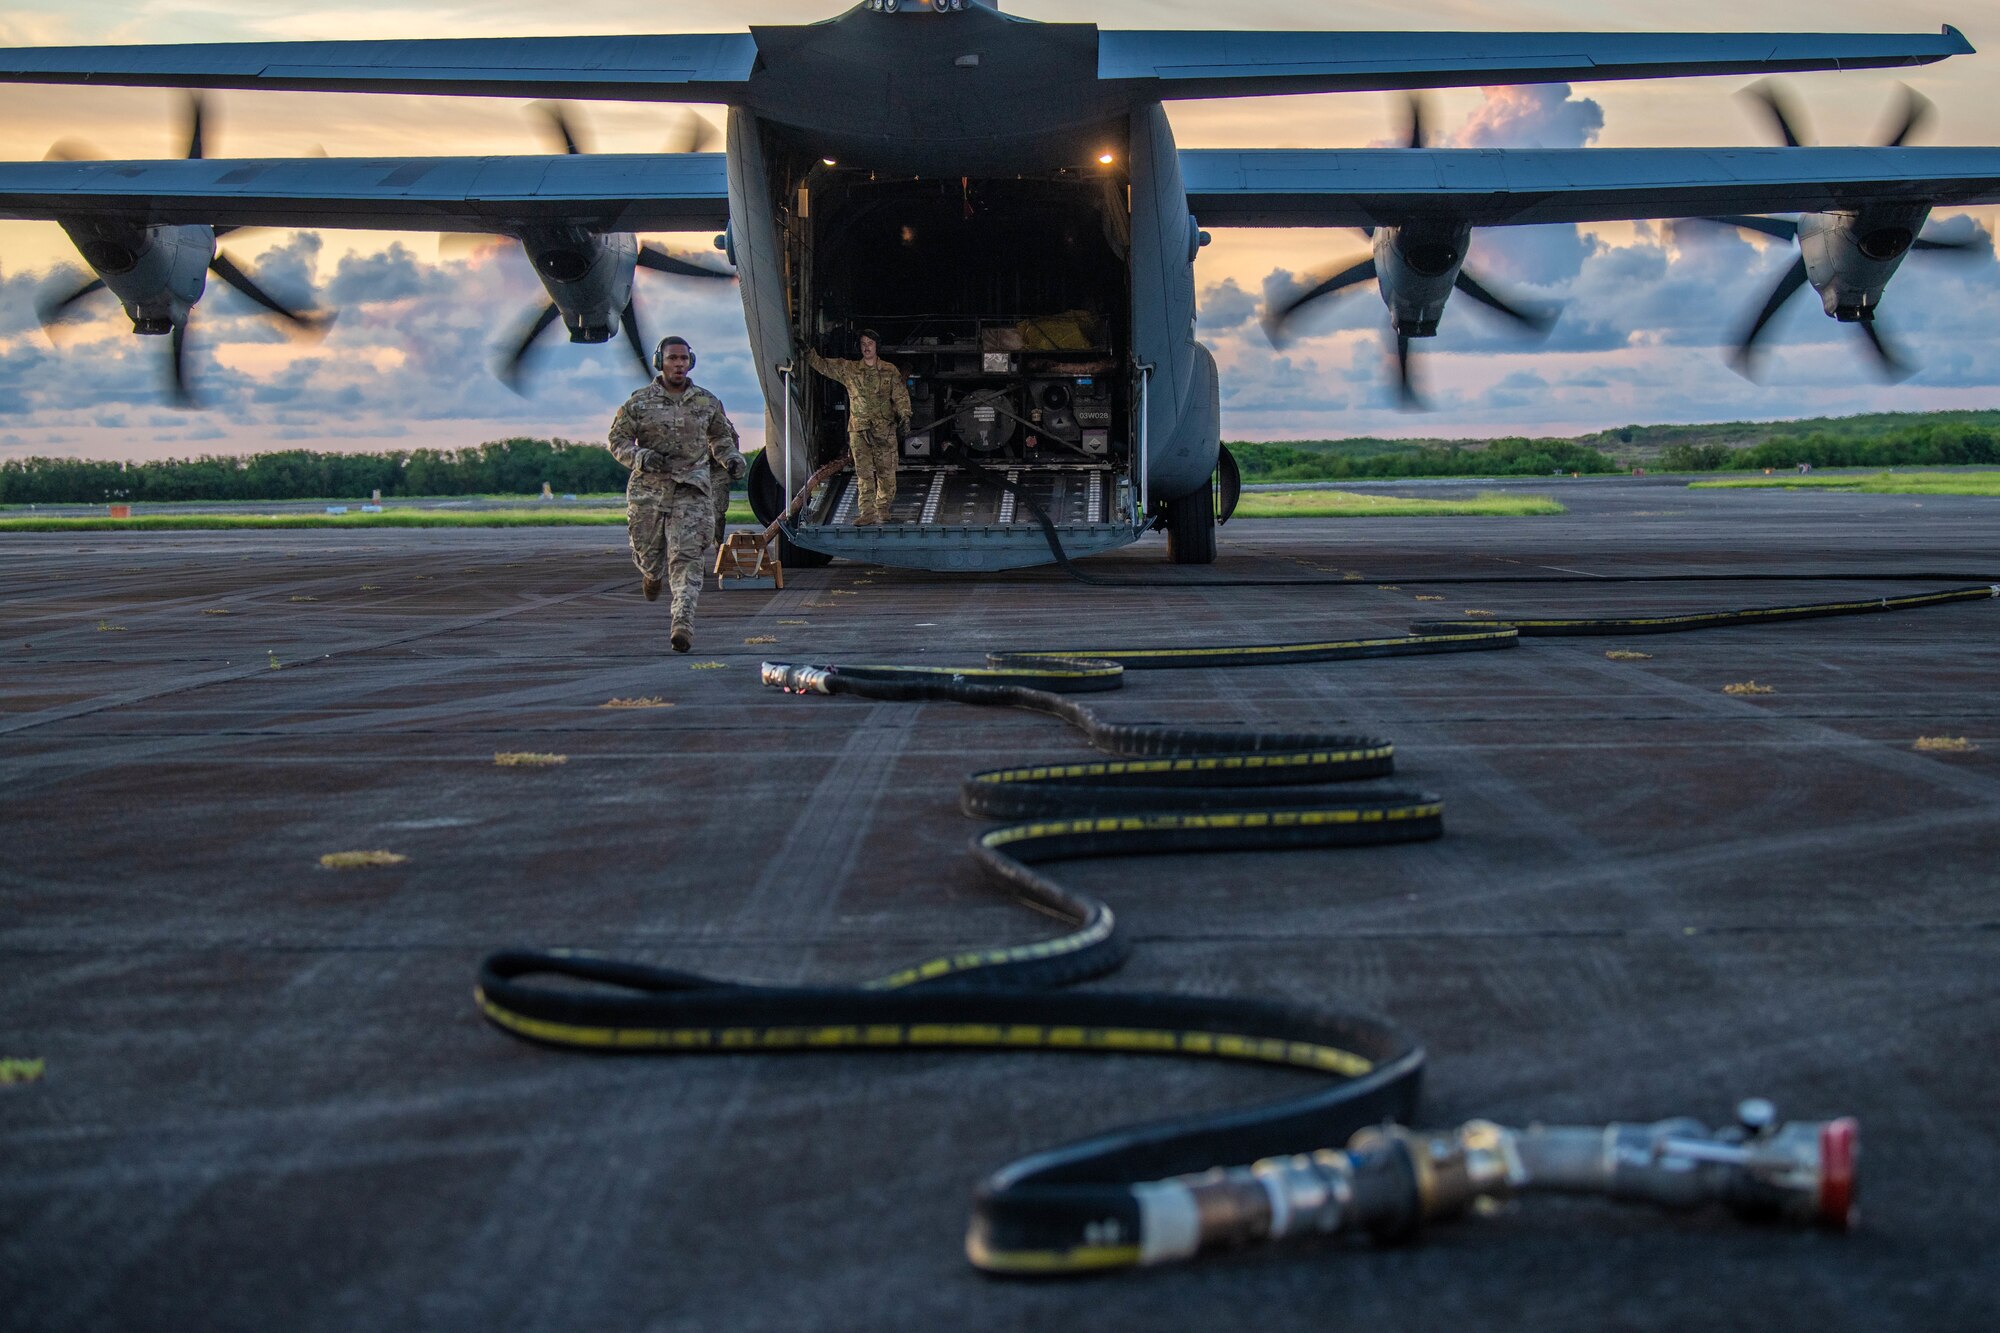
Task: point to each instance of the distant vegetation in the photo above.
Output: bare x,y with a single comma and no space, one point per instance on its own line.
537,516
1943,444
1339,460
520,466
503,467
1880,439
1646,443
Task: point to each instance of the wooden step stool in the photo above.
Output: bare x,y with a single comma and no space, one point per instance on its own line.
746,560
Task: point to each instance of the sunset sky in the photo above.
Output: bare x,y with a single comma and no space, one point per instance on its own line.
1646,308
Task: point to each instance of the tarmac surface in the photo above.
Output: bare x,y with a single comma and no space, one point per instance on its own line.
268,1101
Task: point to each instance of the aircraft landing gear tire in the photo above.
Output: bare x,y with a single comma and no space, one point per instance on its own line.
767,501
1191,525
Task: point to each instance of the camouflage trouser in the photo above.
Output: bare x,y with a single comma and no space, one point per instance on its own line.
718,486
670,528
874,452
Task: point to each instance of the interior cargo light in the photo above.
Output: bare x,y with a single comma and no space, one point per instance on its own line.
1106,157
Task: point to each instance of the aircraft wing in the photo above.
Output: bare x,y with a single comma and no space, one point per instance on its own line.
601,191
1497,187
692,67
1179,65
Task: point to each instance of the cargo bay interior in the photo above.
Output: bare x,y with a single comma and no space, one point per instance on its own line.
1005,304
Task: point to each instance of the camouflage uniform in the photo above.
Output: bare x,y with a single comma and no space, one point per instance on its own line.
878,405
675,444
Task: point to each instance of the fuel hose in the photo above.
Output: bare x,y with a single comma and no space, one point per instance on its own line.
1088,1205
1152,1192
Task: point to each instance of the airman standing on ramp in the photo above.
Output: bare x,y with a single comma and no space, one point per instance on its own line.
878,408
673,434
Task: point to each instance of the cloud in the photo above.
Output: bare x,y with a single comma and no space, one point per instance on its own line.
392,275
1540,115
1225,305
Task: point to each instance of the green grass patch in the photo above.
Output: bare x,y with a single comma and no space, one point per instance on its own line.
1350,504
1877,483
393,518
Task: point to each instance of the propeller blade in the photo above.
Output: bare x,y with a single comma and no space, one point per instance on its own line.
53,312
1406,390
1916,113
70,149
1894,368
177,383
1415,113
1793,279
195,109
652,257
222,266
1782,228
1274,322
692,134
1538,318
1786,116
557,117
630,320
509,369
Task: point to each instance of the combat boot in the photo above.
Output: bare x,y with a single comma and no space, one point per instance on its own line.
651,587
682,638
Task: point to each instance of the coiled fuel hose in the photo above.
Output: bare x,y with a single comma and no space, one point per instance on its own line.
1165,1190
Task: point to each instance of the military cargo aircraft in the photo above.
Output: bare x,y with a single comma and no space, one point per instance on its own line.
1003,200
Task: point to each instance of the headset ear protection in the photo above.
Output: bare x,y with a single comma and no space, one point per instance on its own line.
660,354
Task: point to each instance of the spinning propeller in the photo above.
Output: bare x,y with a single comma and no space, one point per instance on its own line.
1415,267
140,264
1838,250
585,274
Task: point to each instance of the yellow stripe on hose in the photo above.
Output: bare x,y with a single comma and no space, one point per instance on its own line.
1097,931
1083,1258
1205,763
1053,828
1019,1036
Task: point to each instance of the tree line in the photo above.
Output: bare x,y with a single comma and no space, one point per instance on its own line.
1513,457
1942,445
500,467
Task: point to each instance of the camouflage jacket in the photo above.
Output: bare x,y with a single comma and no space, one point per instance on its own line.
670,439
876,395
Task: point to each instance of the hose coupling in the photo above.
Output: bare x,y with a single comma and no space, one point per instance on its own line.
1390,1180
795,679
1802,1172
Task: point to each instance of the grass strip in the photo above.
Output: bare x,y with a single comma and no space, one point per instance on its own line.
499,518
1279,504
1350,504
1876,483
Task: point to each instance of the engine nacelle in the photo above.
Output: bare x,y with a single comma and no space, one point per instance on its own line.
1850,257
157,273
1415,267
587,274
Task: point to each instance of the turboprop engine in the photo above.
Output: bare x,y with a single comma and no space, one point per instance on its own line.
588,276
1847,257
1416,268
157,273
1850,257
